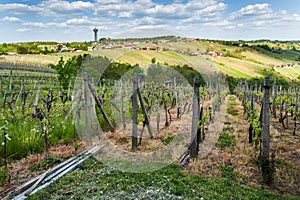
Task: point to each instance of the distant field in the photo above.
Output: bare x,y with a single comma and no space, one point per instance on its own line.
231,71
254,56
238,61
35,59
243,66
292,73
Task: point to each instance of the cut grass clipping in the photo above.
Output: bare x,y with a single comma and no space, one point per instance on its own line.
96,181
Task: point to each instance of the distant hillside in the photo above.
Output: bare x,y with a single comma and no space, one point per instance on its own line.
242,59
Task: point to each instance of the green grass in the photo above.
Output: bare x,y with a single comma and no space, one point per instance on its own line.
96,181
226,140
45,164
232,71
3,175
227,171
284,54
231,107
167,140
290,72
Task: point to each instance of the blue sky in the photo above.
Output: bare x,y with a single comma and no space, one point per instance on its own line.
73,20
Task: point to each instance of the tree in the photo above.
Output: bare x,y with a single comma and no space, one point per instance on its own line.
22,50
102,40
67,71
153,60
232,83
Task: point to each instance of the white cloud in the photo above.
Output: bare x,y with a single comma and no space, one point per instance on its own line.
53,8
79,21
60,7
260,23
20,9
218,24
205,17
10,19
261,15
21,30
252,11
125,15
44,25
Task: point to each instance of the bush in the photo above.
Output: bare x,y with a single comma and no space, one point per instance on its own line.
232,83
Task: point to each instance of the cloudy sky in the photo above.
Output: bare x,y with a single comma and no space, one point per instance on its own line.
73,20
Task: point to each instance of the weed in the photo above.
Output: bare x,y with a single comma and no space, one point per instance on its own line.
45,164
226,140
3,175
167,140
227,171
282,163
76,146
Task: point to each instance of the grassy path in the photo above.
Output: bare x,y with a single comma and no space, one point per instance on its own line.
226,173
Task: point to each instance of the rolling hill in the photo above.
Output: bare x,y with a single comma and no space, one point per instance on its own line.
238,59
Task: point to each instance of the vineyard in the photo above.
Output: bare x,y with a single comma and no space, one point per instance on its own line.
146,119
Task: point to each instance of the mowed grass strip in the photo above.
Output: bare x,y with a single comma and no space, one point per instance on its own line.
96,181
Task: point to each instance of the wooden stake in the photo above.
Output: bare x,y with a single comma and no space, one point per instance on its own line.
195,119
134,114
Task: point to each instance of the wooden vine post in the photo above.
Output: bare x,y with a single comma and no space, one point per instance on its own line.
4,150
38,113
252,111
147,119
265,146
274,98
86,105
10,81
100,104
195,119
134,113
297,102
122,104
176,97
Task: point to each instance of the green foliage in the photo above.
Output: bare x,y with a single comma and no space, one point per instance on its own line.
226,140
76,146
153,60
235,54
255,122
3,175
45,164
231,107
160,73
227,171
232,83
67,70
278,53
24,131
22,50
116,70
167,140
96,181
